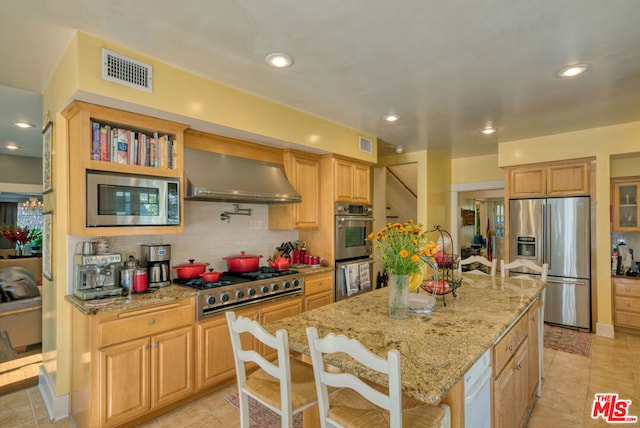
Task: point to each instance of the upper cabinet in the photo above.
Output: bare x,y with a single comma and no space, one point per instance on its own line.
352,181
625,208
105,139
303,171
552,179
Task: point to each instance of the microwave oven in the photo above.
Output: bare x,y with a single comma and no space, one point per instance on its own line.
115,199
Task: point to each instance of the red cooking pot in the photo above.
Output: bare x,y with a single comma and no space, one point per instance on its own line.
242,262
190,270
210,276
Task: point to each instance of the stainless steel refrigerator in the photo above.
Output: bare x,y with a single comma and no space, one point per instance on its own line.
556,231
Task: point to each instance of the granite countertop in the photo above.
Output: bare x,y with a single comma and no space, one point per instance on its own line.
309,270
436,349
158,296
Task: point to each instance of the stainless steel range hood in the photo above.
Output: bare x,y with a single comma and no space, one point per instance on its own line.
224,178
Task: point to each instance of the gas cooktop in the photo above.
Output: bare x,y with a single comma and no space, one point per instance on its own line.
239,289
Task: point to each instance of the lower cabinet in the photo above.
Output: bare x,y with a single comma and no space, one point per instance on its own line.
515,360
626,303
318,290
215,362
127,364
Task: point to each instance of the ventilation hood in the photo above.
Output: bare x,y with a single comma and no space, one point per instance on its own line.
224,178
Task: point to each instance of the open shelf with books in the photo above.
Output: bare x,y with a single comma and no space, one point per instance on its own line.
105,139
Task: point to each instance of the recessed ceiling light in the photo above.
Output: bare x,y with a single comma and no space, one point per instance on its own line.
391,117
21,124
488,128
399,150
12,146
572,70
279,60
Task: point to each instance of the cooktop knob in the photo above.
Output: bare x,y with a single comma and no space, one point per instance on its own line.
275,287
296,283
265,288
211,300
252,292
224,297
287,284
240,294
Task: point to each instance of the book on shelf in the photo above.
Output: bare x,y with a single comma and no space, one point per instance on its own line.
123,146
95,141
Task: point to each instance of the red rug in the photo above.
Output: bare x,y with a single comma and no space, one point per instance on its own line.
261,416
567,340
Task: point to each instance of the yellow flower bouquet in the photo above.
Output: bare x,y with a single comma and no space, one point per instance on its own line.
402,249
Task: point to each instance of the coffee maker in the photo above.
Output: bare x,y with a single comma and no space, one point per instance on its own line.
95,275
156,258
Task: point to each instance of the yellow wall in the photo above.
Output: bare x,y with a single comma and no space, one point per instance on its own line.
438,190
177,91
625,165
56,315
601,143
476,169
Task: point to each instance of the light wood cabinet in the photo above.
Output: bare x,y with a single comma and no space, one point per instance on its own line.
625,194
128,364
319,290
352,181
80,117
303,171
626,303
550,179
513,392
215,363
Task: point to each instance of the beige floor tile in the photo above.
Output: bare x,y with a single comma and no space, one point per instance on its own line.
544,416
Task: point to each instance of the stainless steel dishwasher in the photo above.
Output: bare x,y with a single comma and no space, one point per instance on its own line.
477,393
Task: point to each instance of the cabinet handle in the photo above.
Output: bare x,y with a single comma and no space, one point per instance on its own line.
628,290
152,321
146,347
155,345
518,366
509,348
628,305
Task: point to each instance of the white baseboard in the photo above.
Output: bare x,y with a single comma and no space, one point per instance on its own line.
605,330
57,407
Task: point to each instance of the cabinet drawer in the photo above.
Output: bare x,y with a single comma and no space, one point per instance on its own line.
318,283
507,346
628,304
627,319
627,287
146,322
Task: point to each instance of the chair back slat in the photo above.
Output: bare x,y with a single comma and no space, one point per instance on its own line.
518,263
492,265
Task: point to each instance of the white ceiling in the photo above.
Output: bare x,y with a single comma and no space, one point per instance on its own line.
446,67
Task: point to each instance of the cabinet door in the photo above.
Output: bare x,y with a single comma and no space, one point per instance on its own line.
172,366
625,207
215,362
522,397
504,390
527,182
307,177
124,382
568,179
318,300
361,183
343,174
534,349
275,312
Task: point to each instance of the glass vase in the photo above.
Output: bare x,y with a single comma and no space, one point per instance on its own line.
19,249
399,296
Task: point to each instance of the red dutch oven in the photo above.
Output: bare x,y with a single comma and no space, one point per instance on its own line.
242,262
190,270
210,276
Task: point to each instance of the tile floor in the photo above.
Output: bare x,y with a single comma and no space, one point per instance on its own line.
567,393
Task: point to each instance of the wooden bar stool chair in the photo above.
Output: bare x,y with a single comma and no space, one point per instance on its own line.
287,388
492,265
360,404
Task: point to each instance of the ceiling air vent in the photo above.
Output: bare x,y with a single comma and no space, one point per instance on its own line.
366,145
126,71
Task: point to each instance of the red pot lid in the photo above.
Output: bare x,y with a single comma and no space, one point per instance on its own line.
242,255
191,263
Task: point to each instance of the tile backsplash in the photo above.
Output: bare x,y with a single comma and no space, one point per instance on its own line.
632,239
206,238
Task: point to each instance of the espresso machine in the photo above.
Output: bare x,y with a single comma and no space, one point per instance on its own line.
156,258
95,275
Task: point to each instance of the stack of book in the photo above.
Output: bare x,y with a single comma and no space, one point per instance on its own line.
126,146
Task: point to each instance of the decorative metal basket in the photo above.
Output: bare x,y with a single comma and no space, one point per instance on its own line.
447,265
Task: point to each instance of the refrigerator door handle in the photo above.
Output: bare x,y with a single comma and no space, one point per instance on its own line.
548,234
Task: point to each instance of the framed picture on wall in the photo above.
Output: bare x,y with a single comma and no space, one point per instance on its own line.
47,243
47,134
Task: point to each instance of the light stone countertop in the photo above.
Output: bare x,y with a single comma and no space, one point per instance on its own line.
435,352
158,296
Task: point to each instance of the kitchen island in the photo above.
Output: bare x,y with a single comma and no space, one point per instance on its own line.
436,349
